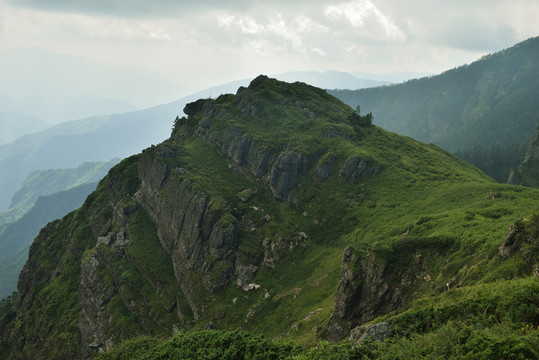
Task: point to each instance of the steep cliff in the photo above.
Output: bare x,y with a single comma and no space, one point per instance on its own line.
239,220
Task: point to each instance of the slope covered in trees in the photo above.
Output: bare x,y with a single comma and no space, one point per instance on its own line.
527,173
480,110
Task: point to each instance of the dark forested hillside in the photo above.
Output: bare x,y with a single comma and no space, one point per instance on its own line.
527,173
46,182
281,212
480,110
16,237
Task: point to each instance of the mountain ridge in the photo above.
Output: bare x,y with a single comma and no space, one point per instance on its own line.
268,210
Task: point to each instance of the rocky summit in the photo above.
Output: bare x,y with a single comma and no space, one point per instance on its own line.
283,212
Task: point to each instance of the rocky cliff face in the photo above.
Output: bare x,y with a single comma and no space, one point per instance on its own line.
198,234
522,240
373,282
159,244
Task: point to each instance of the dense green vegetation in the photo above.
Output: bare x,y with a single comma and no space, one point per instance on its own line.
479,110
430,223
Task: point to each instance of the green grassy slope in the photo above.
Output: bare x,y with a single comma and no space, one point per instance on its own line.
429,219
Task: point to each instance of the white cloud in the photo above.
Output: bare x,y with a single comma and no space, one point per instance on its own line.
191,40
318,51
124,30
64,27
304,24
365,16
276,32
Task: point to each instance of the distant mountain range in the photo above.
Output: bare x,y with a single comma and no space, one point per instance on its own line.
330,79
482,110
59,87
14,125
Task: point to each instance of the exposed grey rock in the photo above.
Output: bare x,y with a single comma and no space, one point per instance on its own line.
363,293
376,332
355,169
519,241
238,149
249,287
324,168
288,168
274,251
244,151
105,240
510,243
245,274
93,296
244,98
196,237
180,171
309,113
246,195
284,168
264,220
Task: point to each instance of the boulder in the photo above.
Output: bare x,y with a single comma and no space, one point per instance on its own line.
376,332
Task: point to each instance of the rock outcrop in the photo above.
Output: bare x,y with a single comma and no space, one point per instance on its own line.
195,234
376,332
522,239
375,283
355,169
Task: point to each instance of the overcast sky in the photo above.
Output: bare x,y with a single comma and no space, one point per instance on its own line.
211,42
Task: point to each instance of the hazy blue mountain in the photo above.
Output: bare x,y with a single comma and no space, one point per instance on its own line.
330,79
481,110
69,144
13,125
98,138
16,237
392,77
60,87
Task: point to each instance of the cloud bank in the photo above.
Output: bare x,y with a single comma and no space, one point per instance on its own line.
243,38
